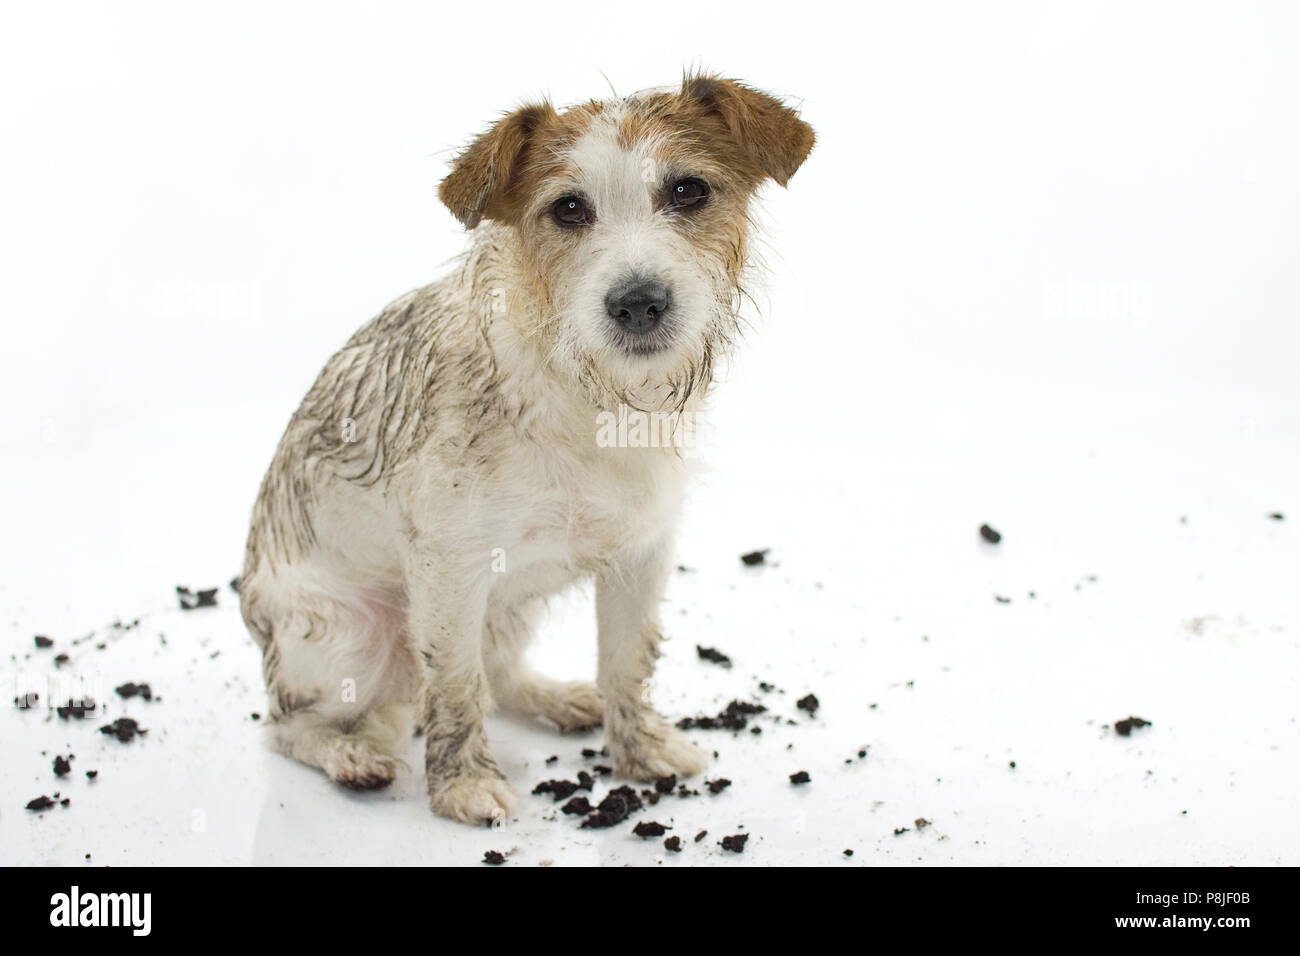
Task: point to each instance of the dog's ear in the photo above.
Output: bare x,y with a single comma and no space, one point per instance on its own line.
770,132
483,177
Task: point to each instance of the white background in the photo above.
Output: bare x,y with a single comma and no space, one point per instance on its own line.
1040,270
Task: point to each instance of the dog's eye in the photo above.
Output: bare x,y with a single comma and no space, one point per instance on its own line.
569,211
688,192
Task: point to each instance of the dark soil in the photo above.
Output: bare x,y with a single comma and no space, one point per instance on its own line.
736,843
129,690
124,729
755,557
563,789
578,805
734,717
1129,724
558,789
713,655
617,806
77,709
193,599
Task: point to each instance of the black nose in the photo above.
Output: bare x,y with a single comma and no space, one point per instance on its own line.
637,305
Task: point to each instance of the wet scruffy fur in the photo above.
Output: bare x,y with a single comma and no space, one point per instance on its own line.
443,476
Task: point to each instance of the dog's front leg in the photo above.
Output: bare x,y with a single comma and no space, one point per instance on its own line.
446,620
642,744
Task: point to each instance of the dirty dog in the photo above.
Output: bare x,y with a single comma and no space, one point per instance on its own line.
443,476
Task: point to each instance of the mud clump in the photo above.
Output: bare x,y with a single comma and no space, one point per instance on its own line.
563,789
1129,724
735,843
578,805
617,806
735,716
713,655
78,710
196,599
124,729
131,689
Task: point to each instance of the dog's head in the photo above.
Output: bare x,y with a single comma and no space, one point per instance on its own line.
630,226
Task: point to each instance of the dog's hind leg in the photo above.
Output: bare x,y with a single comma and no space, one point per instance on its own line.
359,760
340,680
571,705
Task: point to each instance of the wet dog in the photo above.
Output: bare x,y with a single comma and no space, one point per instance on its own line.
443,476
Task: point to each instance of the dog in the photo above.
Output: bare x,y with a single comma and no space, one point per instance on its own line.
442,477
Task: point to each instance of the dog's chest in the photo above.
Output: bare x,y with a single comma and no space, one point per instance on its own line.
583,513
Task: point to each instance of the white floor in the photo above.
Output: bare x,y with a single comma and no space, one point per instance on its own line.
880,598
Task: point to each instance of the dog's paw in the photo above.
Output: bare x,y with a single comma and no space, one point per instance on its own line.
480,800
355,764
574,706
659,752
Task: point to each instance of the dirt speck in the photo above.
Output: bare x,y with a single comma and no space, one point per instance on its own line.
124,729
712,655
1129,724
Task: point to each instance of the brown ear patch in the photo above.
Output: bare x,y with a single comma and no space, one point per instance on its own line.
771,133
484,180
